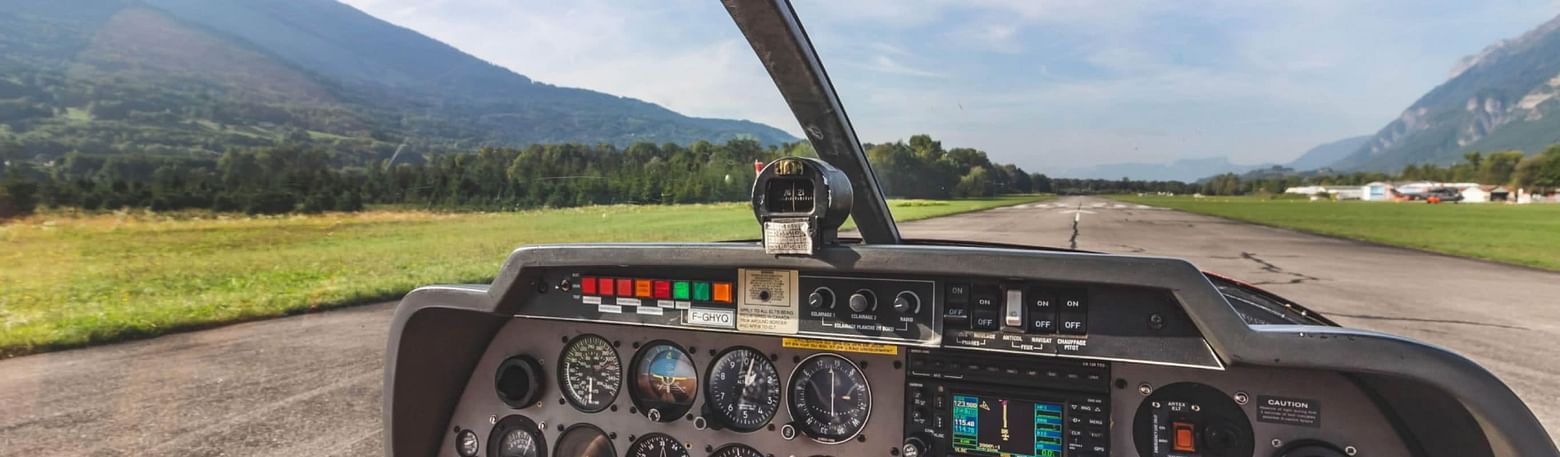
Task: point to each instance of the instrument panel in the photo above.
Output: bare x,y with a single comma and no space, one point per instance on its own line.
916,354
615,362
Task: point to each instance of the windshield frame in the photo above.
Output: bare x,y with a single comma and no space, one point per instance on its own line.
780,42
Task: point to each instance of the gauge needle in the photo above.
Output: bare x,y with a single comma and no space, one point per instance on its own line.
747,374
831,392
590,390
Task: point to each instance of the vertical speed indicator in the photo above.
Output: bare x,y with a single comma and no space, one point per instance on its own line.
590,372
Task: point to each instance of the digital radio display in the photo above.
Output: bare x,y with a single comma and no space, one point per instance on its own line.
994,426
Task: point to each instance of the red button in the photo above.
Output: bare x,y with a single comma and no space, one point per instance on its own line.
625,287
663,290
604,285
588,285
1185,437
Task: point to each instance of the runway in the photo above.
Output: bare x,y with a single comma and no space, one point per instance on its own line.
310,384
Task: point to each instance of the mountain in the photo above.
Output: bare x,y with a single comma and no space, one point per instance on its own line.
1501,98
1326,154
1186,170
197,76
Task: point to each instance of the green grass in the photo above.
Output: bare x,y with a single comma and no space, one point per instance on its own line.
1526,235
74,279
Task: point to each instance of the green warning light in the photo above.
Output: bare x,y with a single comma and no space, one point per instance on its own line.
680,290
701,291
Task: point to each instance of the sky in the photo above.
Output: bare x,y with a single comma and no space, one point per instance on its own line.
1047,84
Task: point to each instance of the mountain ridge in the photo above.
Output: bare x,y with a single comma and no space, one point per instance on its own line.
197,76
1507,96
1326,154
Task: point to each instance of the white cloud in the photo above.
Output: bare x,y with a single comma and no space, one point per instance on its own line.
1053,83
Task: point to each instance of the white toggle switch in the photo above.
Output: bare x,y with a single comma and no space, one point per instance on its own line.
1015,308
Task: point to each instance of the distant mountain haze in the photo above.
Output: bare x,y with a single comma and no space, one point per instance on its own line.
193,76
1186,170
1326,154
1504,97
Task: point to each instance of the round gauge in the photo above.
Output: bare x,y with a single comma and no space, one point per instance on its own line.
516,436
830,398
590,373
736,450
467,444
584,440
656,445
665,381
743,389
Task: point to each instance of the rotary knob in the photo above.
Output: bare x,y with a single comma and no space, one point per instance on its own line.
821,298
907,302
917,445
863,301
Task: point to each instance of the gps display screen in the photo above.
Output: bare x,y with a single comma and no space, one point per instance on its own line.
993,426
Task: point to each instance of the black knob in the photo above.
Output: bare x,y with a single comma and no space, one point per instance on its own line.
1220,436
907,302
863,301
821,297
918,445
519,381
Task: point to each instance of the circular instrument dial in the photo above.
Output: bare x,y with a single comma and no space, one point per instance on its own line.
657,445
516,436
830,398
590,373
584,440
736,450
665,381
743,390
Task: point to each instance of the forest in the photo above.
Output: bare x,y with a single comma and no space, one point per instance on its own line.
299,178
306,178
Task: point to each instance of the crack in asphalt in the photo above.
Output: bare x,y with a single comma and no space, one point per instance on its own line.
1421,319
1132,249
1296,278
1073,242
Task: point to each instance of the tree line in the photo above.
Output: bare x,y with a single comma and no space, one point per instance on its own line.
301,178
1538,172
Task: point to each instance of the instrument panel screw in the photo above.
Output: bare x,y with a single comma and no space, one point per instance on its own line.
1196,408
1242,398
492,420
1350,450
1145,389
1278,443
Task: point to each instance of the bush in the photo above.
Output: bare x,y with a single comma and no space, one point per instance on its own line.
270,203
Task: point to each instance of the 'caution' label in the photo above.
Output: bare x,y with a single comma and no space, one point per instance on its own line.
839,346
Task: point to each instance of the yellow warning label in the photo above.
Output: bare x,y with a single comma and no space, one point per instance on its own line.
840,346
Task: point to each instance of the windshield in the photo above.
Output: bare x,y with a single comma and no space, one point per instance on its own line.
180,179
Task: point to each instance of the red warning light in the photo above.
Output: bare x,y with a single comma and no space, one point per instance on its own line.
588,285
663,290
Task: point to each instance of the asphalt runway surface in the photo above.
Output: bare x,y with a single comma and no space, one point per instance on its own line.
310,384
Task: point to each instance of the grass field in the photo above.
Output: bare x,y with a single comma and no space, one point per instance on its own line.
69,280
1518,234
